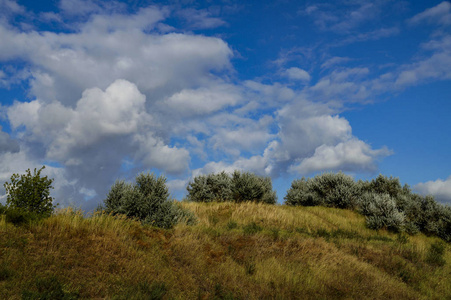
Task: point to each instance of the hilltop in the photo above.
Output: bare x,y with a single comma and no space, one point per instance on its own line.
234,251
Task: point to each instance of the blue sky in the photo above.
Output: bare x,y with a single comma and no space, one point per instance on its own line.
103,90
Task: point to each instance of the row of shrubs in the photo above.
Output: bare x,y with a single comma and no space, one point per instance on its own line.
383,201
147,200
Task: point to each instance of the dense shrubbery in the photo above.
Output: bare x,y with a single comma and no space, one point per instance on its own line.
381,212
211,187
238,187
147,200
332,190
383,201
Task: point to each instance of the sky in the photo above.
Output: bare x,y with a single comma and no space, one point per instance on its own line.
103,90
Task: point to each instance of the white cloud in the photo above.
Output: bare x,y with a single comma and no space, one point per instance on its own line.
203,100
7,144
112,47
351,155
297,74
440,14
436,66
440,189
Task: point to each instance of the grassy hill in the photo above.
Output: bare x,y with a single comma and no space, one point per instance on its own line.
235,251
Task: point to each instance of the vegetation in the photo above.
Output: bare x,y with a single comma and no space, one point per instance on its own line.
247,248
147,201
30,192
383,201
234,251
238,187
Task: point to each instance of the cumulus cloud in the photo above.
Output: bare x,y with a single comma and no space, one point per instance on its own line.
7,144
440,189
203,100
91,139
109,47
352,155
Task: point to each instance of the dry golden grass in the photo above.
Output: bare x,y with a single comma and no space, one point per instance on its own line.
235,251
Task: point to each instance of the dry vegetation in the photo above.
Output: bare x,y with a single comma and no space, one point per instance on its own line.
235,251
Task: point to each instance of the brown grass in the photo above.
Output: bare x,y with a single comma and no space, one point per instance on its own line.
235,251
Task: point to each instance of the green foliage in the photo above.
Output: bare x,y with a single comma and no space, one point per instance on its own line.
250,187
147,200
381,212
240,187
301,193
18,216
329,189
211,187
30,192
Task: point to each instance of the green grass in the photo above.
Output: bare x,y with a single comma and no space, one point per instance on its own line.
235,251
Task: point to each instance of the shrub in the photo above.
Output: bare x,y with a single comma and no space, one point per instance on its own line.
147,200
30,192
381,212
329,189
300,193
336,190
240,187
250,187
211,187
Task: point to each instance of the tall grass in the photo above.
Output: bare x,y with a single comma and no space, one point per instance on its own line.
235,251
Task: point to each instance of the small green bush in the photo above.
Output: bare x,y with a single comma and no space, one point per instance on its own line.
30,192
381,212
301,193
240,187
147,200
248,187
211,187
329,189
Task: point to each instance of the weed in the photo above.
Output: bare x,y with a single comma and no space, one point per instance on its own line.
252,228
402,238
274,233
435,254
231,225
249,267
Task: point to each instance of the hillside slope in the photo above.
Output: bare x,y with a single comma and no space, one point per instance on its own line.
235,251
